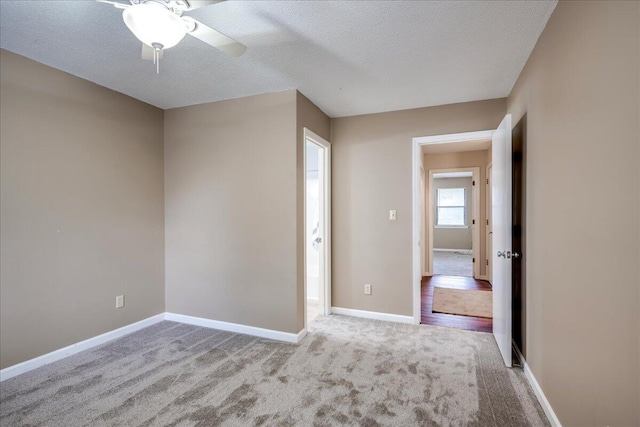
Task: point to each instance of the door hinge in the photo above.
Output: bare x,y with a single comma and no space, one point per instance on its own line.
487,222
487,262
473,221
474,260
487,181
473,183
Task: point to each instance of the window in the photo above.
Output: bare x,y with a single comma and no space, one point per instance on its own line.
450,207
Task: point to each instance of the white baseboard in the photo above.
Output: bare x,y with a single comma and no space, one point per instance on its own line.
546,406
372,315
452,250
235,327
54,356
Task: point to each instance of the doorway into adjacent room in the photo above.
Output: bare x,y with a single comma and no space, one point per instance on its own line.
454,290
454,198
317,223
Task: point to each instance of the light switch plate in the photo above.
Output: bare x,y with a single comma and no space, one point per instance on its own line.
367,289
392,215
120,301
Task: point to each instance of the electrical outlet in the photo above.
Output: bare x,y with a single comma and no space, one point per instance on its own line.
367,289
393,215
120,301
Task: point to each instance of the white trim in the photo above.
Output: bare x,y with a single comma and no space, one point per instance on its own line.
447,175
236,327
489,224
54,356
372,315
452,250
454,137
417,215
483,277
325,299
416,154
475,214
546,406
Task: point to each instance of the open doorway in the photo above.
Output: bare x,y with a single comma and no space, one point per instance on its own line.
453,289
504,229
317,226
454,221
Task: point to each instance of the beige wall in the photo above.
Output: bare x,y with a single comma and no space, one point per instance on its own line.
454,237
465,159
234,183
231,212
81,209
580,90
371,175
309,116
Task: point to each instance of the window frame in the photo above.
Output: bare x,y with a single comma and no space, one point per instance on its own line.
464,209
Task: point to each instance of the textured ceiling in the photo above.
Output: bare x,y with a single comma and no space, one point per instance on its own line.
348,57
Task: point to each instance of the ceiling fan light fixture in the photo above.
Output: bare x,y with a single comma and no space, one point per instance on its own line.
152,23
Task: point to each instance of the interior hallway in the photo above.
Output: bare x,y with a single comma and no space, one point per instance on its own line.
470,323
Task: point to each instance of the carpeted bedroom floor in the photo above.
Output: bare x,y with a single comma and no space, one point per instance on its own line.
453,263
347,371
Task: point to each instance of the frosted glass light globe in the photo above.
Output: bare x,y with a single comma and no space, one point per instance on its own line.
153,23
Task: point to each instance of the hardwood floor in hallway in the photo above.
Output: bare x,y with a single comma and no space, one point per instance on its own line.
428,317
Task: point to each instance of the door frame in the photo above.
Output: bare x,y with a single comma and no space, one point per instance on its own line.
325,290
424,268
489,225
416,153
475,235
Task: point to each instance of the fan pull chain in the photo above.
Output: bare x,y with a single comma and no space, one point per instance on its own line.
157,50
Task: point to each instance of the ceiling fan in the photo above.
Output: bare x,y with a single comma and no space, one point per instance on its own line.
160,25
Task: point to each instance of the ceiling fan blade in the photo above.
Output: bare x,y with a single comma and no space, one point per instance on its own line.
215,38
115,3
147,53
196,4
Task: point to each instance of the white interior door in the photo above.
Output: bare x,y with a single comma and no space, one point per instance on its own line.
320,240
502,224
317,218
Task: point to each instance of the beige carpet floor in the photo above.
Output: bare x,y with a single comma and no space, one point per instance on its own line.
347,371
466,302
453,263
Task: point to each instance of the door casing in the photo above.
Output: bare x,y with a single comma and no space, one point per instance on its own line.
325,284
475,228
417,142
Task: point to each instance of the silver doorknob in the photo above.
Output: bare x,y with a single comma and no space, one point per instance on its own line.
516,255
502,254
